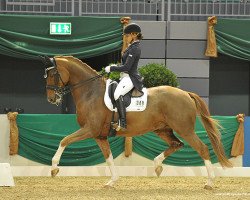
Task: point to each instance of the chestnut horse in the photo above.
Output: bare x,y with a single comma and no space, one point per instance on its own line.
168,109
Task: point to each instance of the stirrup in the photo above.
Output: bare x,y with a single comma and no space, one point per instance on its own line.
124,127
118,127
114,125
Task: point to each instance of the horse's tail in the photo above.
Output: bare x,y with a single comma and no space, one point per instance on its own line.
211,126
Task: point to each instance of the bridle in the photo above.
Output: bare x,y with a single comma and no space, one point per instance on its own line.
60,91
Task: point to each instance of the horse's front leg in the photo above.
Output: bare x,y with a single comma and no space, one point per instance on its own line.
81,134
104,146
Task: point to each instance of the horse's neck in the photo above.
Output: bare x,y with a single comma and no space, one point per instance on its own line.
88,91
79,74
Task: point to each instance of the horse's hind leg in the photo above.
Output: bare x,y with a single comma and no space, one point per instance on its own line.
81,134
174,144
104,146
195,142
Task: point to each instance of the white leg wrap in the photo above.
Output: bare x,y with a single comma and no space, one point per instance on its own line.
57,156
210,172
114,174
159,159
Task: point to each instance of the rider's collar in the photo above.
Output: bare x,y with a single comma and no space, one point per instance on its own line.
134,42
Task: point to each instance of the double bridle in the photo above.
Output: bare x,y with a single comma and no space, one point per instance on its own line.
60,91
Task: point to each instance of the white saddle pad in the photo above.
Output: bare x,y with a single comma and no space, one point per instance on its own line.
137,103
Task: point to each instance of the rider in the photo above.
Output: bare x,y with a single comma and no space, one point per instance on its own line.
129,76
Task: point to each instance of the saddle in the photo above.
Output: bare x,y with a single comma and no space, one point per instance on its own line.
134,100
126,98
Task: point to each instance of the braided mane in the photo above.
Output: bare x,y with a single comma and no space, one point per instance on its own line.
78,62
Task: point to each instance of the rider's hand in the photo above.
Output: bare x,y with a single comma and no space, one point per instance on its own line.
107,69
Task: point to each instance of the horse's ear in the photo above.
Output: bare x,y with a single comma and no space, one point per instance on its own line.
47,61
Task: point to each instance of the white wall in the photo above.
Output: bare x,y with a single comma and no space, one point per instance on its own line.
4,138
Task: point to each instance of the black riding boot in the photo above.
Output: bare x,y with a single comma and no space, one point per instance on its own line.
122,113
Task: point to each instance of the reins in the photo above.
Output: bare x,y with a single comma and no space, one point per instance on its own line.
67,89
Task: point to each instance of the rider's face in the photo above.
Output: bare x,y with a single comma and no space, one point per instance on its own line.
129,37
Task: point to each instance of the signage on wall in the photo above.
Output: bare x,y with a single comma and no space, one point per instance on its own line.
60,28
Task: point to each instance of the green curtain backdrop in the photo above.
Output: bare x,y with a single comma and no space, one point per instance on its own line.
149,145
26,37
39,137
233,37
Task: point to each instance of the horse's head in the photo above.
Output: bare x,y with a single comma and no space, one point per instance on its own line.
57,77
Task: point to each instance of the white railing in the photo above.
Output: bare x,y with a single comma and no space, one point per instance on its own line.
31,2
154,9
38,7
137,9
205,8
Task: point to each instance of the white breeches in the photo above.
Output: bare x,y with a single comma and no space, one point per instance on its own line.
123,87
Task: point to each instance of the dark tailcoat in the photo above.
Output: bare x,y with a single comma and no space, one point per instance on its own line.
130,59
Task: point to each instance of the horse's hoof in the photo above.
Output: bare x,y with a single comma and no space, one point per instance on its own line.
108,187
54,172
158,170
208,187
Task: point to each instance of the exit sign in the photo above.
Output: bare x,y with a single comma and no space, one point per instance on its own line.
60,28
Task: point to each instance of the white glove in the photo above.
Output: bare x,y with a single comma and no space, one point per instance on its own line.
113,65
107,69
